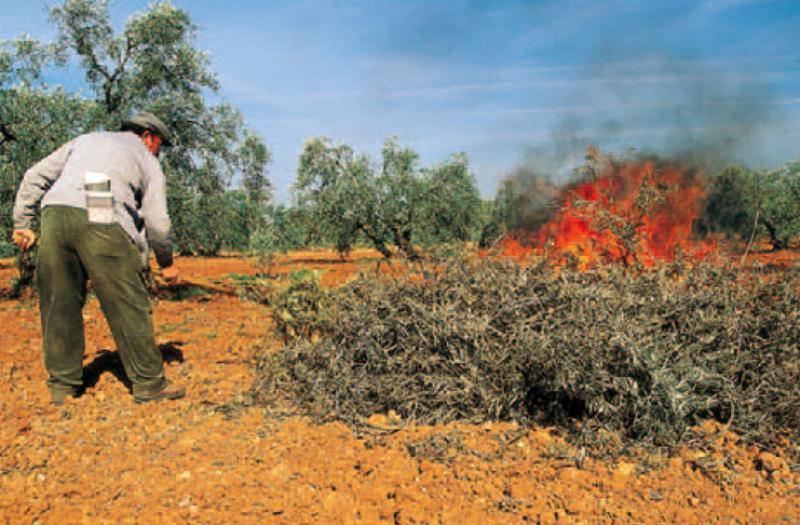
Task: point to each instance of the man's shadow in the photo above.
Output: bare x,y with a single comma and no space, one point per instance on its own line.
108,361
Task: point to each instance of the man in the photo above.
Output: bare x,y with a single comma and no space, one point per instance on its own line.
103,236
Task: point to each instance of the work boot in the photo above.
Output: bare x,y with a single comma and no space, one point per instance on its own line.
167,391
59,393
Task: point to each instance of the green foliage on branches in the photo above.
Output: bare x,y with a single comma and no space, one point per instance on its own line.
744,202
450,208
34,118
283,229
395,206
779,204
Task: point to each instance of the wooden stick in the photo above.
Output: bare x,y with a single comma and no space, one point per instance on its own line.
201,283
752,236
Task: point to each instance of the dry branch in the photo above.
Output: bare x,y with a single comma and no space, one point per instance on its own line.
647,355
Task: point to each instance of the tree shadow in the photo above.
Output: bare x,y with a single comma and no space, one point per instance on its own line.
109,361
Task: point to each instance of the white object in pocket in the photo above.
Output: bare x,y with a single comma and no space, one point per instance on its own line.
99,199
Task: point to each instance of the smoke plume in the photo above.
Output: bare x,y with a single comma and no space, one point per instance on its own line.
703,115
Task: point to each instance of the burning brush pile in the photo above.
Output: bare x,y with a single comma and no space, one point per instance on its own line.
636,212
645,354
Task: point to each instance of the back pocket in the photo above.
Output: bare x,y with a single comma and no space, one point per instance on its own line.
108,240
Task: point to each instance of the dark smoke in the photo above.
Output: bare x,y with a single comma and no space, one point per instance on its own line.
530,197
696,113
679,108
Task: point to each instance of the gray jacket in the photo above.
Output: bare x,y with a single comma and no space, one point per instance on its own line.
137,183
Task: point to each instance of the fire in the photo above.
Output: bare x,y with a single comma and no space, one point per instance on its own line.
631,212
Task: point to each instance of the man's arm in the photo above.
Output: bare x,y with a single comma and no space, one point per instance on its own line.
154,212
35,184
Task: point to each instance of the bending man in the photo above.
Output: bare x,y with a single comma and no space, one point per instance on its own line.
103,197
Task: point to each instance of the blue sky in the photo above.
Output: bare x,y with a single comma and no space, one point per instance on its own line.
508,83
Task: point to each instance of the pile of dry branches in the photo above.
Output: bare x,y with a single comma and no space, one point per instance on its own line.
646,355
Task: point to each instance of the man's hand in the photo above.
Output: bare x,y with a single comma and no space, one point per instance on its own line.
170,275
24,239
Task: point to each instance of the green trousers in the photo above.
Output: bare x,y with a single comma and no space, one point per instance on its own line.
71,250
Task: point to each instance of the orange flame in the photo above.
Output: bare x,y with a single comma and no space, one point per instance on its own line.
634,212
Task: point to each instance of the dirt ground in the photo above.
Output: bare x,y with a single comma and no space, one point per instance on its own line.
104,459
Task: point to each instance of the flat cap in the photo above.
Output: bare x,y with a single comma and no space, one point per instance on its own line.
150,122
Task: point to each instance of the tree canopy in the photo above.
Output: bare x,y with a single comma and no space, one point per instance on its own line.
395,205
760,203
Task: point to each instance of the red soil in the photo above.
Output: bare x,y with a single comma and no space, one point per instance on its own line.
103,459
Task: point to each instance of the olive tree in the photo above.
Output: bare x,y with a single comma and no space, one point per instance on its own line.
34,118
760,203
395,205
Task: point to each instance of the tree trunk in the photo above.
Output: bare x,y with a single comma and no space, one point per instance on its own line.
404,243
777,244
376,243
